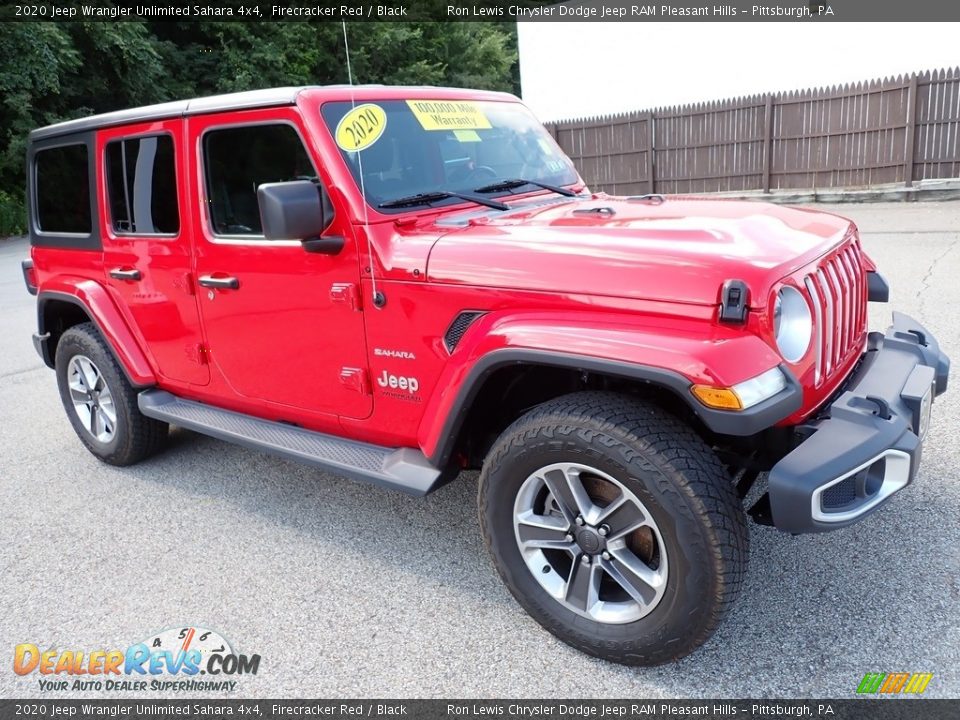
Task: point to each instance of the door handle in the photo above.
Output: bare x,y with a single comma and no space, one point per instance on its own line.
221,283
125,274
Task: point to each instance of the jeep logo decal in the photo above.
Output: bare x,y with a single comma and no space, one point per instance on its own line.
410,384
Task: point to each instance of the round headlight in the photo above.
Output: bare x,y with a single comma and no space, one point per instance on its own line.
792,324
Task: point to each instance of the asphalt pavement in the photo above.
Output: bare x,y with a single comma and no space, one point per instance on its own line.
349,590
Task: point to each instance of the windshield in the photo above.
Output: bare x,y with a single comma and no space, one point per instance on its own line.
444,146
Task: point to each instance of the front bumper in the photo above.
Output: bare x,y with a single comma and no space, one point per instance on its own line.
870,444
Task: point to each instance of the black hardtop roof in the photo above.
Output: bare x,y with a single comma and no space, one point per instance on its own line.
270,97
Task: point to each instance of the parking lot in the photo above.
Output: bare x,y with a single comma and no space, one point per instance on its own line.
348,590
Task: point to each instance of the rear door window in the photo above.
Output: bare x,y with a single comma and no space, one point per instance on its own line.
142,186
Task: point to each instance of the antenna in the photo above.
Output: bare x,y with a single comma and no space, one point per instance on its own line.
379,300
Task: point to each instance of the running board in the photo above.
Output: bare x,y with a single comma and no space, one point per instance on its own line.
403,469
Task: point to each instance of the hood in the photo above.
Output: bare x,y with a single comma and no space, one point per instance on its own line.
677,250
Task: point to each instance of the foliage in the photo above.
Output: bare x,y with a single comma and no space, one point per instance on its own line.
58,71
13,215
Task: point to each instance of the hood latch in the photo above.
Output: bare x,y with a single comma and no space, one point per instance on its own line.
733,302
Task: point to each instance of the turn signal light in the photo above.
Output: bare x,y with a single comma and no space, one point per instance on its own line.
717,397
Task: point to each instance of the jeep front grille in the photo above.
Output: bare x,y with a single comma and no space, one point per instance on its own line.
837,287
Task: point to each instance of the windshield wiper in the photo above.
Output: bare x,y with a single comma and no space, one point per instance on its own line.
520,182
429,197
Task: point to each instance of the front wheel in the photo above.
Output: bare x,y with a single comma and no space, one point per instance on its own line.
615,526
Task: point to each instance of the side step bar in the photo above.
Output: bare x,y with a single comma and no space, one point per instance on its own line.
401,469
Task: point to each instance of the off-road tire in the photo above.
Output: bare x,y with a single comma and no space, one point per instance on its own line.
136,436
677,477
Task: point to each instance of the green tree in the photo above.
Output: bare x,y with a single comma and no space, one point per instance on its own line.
57,71
36,57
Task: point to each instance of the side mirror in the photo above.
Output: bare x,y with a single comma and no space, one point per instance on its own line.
298,210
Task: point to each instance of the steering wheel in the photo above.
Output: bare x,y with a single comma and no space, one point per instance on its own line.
466,174
482,171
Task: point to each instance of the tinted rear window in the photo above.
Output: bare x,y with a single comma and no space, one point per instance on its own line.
63,189
142,186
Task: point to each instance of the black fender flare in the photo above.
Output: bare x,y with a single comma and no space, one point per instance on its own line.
741,423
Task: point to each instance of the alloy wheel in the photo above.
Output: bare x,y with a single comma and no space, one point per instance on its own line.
92,399
590,543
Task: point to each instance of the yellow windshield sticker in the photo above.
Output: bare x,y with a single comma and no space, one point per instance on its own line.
466,135
361,127
449,115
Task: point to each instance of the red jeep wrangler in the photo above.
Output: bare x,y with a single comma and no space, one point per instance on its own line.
395,284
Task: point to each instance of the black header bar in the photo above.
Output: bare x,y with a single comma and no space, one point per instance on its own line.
552,709
485,10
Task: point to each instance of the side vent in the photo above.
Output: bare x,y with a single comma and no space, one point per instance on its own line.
458,327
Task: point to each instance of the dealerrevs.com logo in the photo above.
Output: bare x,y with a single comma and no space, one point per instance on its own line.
179,659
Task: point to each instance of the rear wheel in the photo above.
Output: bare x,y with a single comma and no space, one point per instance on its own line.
615,526
100,402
